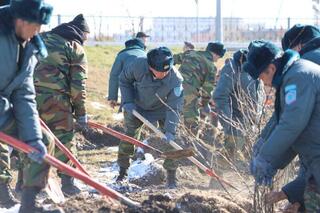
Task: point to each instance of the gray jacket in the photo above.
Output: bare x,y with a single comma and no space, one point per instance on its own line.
297,129
138,85
134,48
16,84
234,87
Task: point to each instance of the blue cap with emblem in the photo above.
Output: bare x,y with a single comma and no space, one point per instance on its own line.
160,59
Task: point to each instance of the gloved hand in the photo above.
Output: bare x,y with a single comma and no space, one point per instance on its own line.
257,146
129,107
262,171
82,121
112,103
168,137
206,110
42,151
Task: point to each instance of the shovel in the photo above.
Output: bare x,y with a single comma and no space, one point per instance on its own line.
104,190
176,154
208,171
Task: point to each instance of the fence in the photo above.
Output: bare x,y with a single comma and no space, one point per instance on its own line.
179,29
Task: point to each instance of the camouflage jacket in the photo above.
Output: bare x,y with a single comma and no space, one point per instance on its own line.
178,58
63,72
199,73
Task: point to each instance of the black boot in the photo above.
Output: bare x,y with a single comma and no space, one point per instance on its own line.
28,202
171,179
7,200
122,174
68,187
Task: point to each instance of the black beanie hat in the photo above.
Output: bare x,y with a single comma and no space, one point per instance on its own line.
31,10
299,34
261,54
80,22
217,48
160,59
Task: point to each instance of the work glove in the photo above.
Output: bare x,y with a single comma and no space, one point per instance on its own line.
112,103
257,146
206,110
262,171
129,107
42,151
168,137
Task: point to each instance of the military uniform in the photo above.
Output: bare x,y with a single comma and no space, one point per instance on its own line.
19,116
139,86
60,81
178,58
235,91
134,48
198,72
295,121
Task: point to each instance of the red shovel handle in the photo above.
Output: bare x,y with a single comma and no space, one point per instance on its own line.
64,149
122,136
19,145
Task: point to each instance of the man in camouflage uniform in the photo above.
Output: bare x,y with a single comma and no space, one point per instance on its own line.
60,81
152,86
19,118
293,128
187,48
134,48
199,72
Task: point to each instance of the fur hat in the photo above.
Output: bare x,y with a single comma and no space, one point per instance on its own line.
261,54
160,59
31,10
299,34
217,48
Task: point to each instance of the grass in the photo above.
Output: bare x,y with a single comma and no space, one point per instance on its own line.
100,59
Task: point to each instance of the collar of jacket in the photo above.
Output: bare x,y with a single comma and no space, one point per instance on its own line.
311,45
283,64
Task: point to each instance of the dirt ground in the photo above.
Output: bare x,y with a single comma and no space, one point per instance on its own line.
196,192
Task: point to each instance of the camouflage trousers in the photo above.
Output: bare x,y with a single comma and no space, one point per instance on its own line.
312,198
56,111
133,128
191,107
34,174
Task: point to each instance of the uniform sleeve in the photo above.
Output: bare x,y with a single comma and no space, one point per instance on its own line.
295,189
114,78
267,130
299,103
126,81
25,109
222,97
78,77
209,71
177,58
175,103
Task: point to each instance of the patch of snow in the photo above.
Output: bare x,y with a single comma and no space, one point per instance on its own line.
117,116
14,209
140,168
98,105
113,149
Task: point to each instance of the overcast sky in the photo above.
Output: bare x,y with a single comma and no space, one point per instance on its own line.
231,8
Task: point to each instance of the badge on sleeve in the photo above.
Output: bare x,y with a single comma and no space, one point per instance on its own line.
178,90
290,94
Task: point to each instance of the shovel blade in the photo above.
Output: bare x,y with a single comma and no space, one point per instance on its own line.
176,154
53,190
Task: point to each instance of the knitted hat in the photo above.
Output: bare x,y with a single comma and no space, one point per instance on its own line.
80,22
